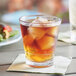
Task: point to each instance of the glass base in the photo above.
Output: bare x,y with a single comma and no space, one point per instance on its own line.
40,64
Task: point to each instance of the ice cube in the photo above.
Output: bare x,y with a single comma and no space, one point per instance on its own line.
43,20
36,23
46,42
36,32
28,39
52,31
39,21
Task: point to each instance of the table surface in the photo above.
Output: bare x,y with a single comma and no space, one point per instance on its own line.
10,52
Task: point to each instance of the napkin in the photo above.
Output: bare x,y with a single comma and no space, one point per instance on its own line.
68,37
60,65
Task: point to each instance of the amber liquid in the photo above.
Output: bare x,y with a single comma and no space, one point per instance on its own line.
39,42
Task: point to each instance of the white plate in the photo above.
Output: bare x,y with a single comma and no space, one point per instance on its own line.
13,39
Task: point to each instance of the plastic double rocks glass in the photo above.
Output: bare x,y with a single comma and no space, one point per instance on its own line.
39,35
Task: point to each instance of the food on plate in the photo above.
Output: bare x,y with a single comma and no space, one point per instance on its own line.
6,32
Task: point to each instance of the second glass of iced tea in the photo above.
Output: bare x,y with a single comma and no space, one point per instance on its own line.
39,35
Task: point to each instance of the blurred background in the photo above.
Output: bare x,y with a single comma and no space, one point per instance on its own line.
11,10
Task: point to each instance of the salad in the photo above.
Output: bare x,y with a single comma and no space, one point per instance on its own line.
6,32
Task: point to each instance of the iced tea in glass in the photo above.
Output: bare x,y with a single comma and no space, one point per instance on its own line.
39,35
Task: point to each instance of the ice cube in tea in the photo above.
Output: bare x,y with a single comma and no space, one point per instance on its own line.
28,40
36,32
46,42
52,31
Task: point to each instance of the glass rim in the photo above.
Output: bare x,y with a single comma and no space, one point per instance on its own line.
49,16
